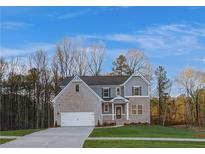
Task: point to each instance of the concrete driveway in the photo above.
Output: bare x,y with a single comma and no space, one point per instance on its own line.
62,137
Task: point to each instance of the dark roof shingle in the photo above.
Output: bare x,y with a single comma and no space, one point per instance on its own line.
99,80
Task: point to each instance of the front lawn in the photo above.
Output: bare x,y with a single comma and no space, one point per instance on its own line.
21,132
141,144
146,131
4,140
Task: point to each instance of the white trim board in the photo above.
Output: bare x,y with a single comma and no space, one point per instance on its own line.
138,75
136,96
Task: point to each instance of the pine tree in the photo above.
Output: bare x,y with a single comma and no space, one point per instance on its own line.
163,83
120,66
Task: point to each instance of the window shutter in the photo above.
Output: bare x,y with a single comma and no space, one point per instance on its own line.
102,92
109,92
132,91
140,91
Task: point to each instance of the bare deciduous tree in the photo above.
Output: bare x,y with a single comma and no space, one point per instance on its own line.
55,74
138,62
81,62
3,66
95,59
192,81
65,54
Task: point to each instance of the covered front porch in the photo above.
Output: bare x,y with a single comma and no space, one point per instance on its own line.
115,110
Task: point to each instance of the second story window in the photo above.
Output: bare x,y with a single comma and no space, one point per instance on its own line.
136,91
118,92
77,88
106,92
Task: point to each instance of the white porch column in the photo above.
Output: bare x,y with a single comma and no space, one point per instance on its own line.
127,106
113,111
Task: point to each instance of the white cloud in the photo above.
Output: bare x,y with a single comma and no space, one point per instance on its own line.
122,37
25,50
164,40
10,25
201,60
70,15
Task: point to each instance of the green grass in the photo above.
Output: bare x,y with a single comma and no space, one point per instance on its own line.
146,131
4,140
21,132
141,144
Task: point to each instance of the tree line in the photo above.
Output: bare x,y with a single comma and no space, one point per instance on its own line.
27,86
189,107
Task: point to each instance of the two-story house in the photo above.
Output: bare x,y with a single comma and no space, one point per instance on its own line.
90,100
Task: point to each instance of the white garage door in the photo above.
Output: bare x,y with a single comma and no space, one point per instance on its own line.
77,119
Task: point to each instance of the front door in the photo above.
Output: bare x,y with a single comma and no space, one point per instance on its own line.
118,112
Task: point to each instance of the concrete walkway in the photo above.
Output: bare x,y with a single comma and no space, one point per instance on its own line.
147,139
62,137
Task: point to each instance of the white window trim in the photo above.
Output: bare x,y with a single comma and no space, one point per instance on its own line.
106,114
137,109
119,91
136,96
137,87
108,108
76,88
121,109
134,109
108,92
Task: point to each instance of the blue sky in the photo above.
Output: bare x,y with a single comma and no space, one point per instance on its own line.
173,37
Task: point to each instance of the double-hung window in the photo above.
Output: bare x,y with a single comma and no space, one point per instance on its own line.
137,109
106,107
106,92
136,91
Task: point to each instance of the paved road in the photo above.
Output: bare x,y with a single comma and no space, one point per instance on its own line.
62,137
147,139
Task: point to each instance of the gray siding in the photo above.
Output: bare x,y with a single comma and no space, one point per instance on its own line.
145,117
82,101
98,90
110,109
136,81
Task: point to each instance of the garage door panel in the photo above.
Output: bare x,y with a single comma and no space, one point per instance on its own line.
77,119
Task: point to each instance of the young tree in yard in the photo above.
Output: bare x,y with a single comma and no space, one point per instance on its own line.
192,81
163,84
95,59
120,66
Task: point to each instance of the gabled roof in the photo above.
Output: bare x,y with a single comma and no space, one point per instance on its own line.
99,80
120,98
74,79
